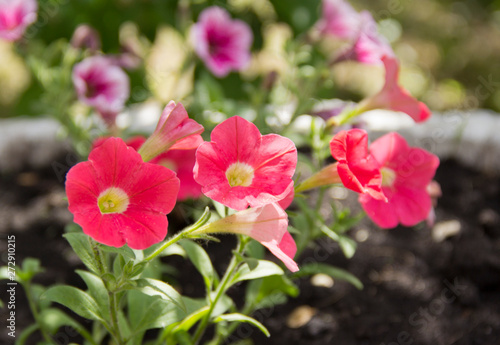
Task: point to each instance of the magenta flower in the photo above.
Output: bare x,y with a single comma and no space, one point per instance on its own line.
358,170
15,17
339,19
406,174
117,198
394,97
267,224
240,167
102,85
175,130
222,43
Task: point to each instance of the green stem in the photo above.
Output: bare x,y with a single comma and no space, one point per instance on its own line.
221,288
114,318
34,311
344,117
176,238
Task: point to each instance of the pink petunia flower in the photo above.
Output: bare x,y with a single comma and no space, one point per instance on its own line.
117,198
240,167
339,19
222,43
358,170
15,17
267,224
394,97
175,130
369,46
102,85
406,174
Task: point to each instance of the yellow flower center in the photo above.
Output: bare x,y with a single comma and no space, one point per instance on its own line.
239,174
113,200
388,176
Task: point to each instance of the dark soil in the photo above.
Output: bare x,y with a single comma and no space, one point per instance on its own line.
417,290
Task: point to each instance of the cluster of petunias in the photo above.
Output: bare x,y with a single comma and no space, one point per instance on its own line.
391,177
123,193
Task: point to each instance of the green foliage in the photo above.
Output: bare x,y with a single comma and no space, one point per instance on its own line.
75,299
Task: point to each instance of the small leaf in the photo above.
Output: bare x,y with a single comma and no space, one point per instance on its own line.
97,290
75,299
82,247
347,245
236,317
333,272
264,268
153,287
201,261
125,250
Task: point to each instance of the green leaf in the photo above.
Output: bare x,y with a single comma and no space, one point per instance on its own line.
82,246
201,261
347,244
236,317
333,272
30,267
270,291
98,291
264,268
75,299
52,319
153,287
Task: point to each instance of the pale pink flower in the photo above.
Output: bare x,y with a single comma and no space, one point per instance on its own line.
117,198
394,97
86,37
339,19
222,43
15,17
369,46
240,167
102,85
406,173
267,225
175,130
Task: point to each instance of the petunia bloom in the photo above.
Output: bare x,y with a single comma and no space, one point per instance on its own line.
339,19
406,174
175,130
222,43
358,170
15,17
241,168
117,198
267,224
394,97
179,161
101,85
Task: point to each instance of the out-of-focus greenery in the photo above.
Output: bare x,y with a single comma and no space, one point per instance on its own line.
450,50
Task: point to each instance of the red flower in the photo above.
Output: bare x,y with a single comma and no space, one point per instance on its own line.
240,167
175,130
357,169
179,161
394,97
117,198
406,174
